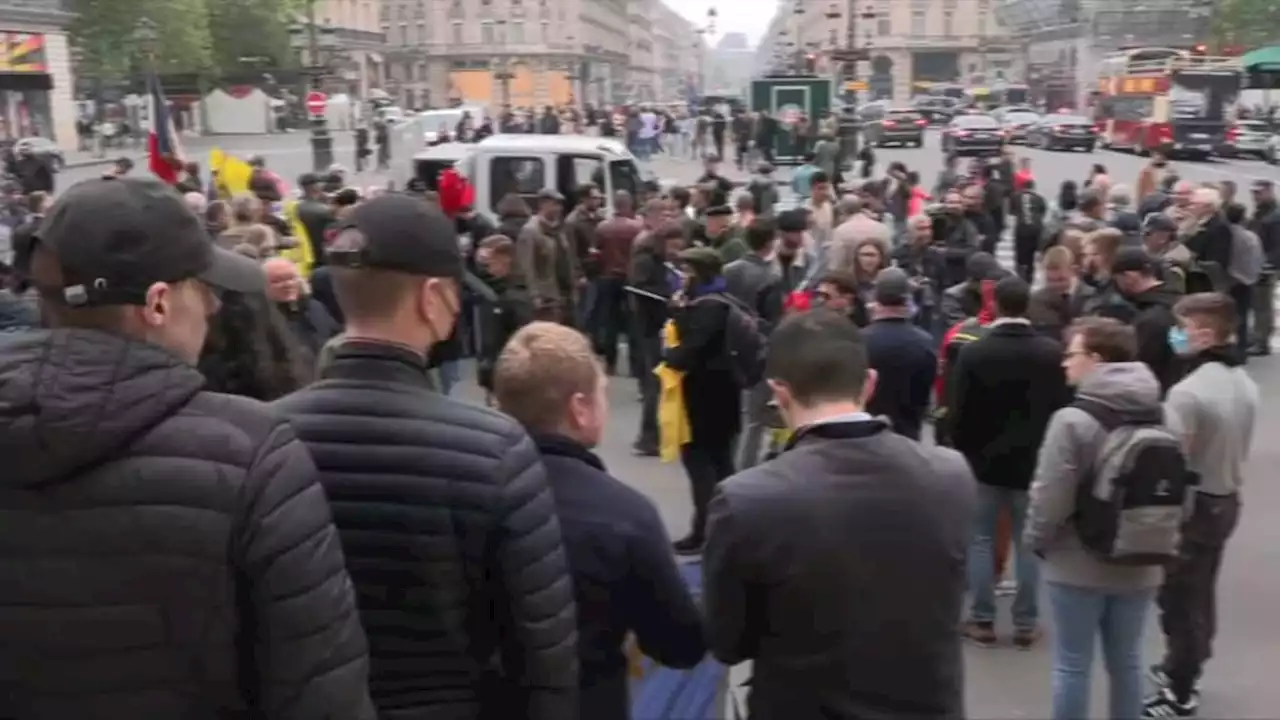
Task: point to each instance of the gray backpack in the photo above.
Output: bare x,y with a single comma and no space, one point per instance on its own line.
1247,258
1130,508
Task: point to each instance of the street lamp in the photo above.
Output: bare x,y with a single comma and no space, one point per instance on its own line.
703,44
145,35
502,66
310,40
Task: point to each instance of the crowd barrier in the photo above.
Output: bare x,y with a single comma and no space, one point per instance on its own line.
660,693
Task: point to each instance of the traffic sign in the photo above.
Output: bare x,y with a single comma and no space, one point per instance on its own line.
317,102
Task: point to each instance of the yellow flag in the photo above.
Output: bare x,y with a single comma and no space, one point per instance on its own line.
233,173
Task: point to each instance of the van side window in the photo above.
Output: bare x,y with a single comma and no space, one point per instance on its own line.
524,176
574,170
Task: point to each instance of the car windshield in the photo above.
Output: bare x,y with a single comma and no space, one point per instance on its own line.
1021,116
433,119
975,121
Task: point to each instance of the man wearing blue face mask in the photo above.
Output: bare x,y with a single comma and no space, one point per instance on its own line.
1212,411
1137,276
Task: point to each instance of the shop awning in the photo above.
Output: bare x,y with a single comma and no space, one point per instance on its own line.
1265,59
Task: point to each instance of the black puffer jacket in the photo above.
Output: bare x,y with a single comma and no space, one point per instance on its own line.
451,537
165,552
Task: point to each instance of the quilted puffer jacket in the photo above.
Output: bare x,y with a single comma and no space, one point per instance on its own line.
451,538
164,552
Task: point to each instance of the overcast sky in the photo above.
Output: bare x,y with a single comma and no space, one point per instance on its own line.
745,16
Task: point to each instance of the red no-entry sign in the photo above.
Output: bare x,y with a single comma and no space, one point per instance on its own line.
316,102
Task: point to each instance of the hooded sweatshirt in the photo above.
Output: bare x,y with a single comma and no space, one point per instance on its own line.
1070,448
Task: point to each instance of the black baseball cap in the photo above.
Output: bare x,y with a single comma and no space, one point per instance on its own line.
116,237
1132,259
1158,222
400,233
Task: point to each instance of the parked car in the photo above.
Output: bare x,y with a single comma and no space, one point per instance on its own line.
898,126
1063,132
1272,151
936,110
973,135
1249,138
44,148
1016,122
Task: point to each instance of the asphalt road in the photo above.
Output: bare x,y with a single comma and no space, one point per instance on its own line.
1002,683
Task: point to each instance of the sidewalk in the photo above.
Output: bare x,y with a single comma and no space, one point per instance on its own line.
195,147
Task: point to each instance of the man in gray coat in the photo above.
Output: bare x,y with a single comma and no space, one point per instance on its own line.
1086,595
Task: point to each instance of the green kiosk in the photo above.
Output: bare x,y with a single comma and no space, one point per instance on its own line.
792,99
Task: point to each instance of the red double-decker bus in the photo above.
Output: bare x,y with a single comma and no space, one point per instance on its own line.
1152,98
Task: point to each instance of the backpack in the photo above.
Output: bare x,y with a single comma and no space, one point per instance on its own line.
744,342
1247,257
1130,509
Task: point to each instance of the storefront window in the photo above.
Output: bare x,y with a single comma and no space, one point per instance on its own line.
24,113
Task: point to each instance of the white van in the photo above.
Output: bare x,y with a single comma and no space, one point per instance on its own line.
528,164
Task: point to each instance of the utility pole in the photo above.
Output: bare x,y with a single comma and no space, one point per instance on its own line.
321,141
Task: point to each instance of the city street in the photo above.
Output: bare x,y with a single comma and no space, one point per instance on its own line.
1002,683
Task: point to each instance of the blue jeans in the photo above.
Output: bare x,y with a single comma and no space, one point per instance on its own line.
982,570
1079,615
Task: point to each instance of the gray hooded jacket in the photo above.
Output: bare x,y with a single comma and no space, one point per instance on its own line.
1070,448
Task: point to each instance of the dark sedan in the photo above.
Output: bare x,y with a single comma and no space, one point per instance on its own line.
1063,132
1017,122
973,135
897,127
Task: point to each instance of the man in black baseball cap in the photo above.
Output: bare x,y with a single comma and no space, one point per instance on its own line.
203,509
388,445
133,245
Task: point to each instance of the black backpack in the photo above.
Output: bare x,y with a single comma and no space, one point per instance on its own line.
744,342
1131,506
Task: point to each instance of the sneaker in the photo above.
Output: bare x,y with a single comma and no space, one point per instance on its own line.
1007,588
1158,677
1164,705
1026,639
688,545
982,634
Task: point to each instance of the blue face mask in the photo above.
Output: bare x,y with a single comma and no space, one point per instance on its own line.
1178,340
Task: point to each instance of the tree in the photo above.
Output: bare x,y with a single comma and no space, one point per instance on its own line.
257,29
1248,23
105,32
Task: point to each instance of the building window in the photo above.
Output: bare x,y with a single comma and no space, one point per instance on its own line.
424,34
884,24
948,23
457,33
918,27
517,32
545,33
404,34
486,33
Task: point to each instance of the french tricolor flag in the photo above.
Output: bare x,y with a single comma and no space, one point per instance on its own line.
163,145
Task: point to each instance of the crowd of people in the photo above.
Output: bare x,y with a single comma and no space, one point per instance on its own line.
240,487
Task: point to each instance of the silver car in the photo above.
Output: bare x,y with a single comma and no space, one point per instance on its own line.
1250,139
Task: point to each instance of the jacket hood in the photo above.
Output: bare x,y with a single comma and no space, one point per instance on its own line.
71,398
1127,387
